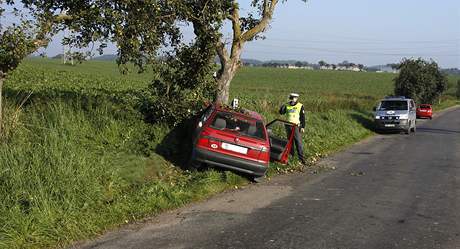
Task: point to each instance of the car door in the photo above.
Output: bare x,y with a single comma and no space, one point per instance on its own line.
281,136
200,122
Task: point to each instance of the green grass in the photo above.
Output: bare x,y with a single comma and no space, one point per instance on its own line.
75,162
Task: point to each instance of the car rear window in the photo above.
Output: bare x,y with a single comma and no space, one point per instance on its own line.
425,106
394,105
235,123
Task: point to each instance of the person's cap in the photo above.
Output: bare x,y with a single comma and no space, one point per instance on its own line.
294,95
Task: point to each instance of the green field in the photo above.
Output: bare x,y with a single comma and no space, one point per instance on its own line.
78,158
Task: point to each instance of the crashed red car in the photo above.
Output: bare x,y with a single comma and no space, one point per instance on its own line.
425,111
238,140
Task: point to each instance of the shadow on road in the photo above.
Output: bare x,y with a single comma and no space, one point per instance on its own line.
437,131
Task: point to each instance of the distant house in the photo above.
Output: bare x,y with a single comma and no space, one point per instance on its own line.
299,67
327,67
386,69
355,69
341,68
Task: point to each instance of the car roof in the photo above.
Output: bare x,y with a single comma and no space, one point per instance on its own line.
396,98
240,111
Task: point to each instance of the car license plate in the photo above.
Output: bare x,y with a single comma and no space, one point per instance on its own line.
423,110
389,125
235,148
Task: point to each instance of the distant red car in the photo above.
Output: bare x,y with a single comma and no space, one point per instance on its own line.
425,111
238,140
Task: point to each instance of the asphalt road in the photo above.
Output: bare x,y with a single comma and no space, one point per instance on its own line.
390,191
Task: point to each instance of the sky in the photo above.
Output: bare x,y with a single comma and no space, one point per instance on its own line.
362,31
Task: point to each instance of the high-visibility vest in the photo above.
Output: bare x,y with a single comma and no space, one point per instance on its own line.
293,113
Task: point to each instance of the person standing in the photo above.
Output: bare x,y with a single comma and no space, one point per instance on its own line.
295,113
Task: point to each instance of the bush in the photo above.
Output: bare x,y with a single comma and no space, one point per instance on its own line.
184,82
420,80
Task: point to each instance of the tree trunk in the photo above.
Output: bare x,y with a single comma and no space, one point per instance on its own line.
231,62
228,71
229,67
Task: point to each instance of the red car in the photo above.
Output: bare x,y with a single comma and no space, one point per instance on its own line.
238,140
425,111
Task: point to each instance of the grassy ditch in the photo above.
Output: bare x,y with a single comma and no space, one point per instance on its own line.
74,162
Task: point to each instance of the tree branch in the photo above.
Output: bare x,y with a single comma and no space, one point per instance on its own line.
236,26
267,14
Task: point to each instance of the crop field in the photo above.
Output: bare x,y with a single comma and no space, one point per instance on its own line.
76,161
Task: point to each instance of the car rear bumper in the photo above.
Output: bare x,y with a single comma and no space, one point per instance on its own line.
425,115
391,125
229,162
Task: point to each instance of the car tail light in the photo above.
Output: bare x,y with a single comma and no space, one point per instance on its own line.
203,141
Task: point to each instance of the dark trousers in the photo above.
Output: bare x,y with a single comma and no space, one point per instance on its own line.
298,143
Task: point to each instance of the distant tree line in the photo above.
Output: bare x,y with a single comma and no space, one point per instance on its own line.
301,64
454,71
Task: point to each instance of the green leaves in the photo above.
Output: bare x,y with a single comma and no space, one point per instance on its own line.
15,44
421,80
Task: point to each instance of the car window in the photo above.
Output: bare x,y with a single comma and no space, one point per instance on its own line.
238,124
206,114
425,106
395,105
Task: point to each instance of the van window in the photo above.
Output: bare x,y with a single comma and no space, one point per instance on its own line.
394,105
238,124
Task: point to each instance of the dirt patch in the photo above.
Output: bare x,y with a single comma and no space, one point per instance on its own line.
244,202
